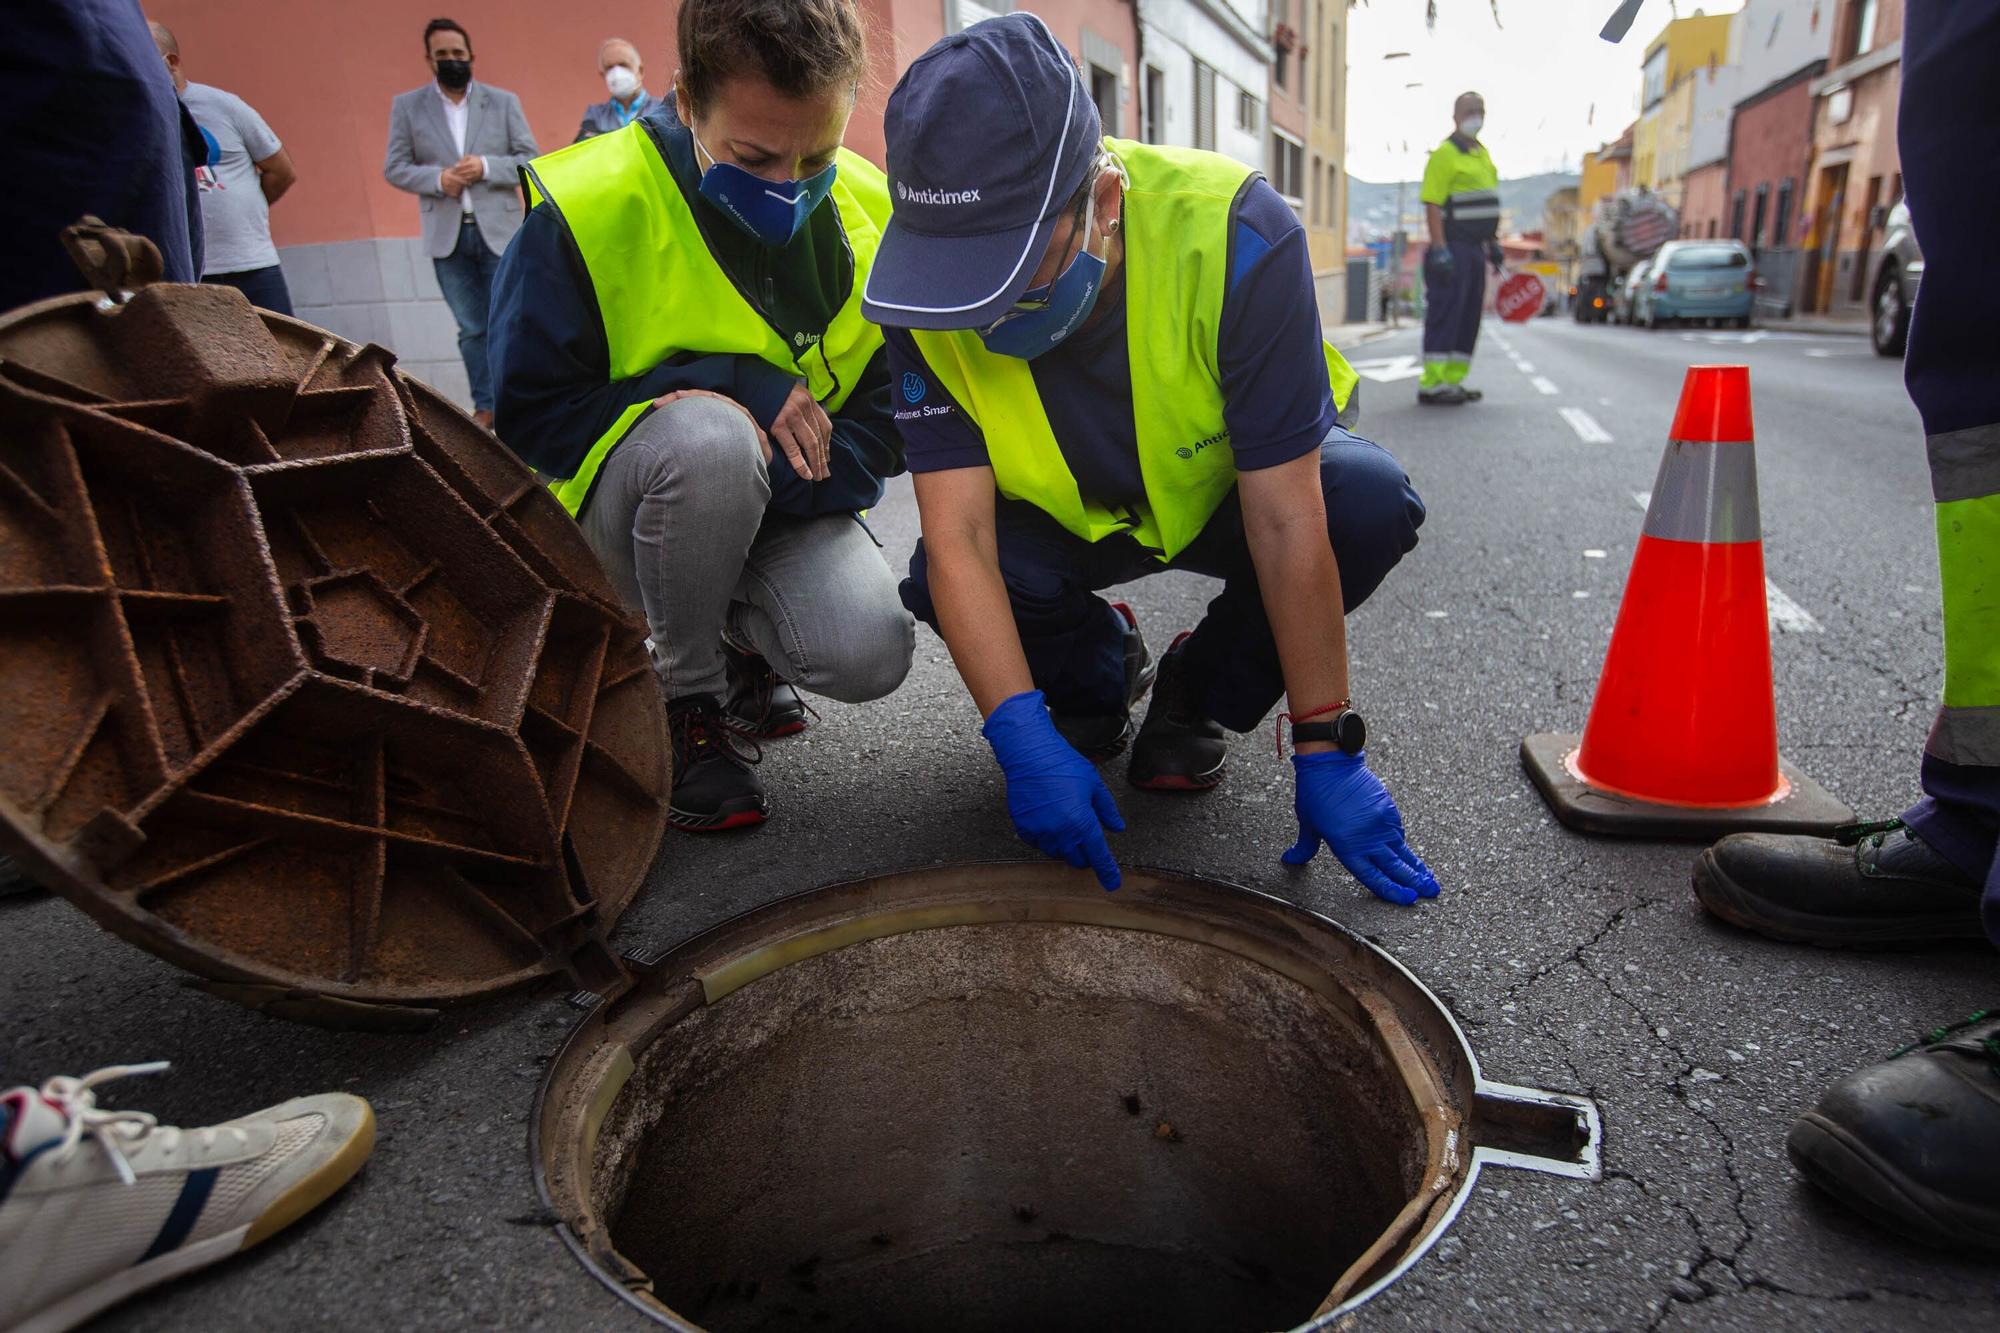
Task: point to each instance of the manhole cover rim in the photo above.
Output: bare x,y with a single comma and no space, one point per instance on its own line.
586,1049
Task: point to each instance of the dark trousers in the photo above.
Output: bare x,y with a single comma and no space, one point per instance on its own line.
1452,308
1075,642
466,277
1947,102
265,287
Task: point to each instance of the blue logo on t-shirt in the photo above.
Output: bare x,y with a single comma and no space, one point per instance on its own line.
913,387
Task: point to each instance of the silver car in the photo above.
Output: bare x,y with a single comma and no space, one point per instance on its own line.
1625,297
1898,269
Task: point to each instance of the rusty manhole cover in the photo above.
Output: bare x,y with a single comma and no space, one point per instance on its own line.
976,1098
308,686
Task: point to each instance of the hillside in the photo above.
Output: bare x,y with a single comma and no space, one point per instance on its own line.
1371,207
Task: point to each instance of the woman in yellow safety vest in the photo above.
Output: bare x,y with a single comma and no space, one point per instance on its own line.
678,344
1108,363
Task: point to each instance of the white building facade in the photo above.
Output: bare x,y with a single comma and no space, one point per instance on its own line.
1205,70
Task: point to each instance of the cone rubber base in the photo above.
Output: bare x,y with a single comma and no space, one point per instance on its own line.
1809,809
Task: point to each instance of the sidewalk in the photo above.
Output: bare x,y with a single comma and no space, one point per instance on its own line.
1346,337
1854,325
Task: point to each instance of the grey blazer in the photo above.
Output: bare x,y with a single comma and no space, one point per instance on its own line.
420,146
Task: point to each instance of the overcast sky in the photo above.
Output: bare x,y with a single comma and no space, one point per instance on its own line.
1553,88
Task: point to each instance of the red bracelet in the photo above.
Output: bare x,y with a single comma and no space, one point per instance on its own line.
1278,741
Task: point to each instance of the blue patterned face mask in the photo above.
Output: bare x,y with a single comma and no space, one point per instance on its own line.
1044,316
770,211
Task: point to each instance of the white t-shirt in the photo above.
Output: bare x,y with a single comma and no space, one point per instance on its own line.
235,220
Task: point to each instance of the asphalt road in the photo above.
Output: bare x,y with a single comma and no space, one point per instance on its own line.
1574,963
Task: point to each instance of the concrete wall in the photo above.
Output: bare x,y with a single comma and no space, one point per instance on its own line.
1714,95
1704,208
381,290
1771,39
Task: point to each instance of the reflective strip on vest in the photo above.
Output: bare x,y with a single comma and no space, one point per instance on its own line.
659,291
1473,206
1965,477
1178,216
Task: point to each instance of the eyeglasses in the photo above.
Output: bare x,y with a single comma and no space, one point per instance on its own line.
1037,299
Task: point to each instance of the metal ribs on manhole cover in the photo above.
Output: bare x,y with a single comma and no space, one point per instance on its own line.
308,686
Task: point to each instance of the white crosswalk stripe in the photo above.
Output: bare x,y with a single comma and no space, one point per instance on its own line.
1585,426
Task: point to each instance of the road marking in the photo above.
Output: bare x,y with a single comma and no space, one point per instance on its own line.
1542,385
1527,367
1585,426
1787,616
1823,352
1389,369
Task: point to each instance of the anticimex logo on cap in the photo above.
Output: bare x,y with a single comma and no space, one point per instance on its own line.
909,196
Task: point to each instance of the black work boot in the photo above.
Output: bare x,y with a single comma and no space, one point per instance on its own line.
1179,748
1445,395
762,703
1914,1142
1101,736
715,786
1869,886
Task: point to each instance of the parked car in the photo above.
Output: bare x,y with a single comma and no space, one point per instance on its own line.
1898,270
1700,280
1626,293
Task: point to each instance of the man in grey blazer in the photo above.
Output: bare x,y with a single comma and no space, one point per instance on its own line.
458,146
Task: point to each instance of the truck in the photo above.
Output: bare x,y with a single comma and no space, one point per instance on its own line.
1626,229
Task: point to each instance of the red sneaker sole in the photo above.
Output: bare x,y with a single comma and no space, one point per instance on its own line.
741,819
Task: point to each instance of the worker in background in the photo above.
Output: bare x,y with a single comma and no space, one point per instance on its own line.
678,342
1461,197
1914,1142
1108,364
624,78
245,170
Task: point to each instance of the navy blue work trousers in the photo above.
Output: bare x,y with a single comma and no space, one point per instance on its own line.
1953,370
1452,308
1074,641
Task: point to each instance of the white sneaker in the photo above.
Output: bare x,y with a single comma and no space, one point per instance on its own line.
96,1205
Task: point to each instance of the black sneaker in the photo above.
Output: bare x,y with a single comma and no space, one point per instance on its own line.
1179,748
1102,736
1911,1142
715,786
762,703
1444,395
1870,885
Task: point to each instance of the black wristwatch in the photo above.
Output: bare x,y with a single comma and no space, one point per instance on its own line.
1346,730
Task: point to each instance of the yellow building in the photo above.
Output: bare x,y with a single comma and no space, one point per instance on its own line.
1599,178
1666,118
1325,96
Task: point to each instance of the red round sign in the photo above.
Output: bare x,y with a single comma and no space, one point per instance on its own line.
1519,298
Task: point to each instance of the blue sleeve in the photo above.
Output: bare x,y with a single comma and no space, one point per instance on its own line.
91,125
866,449
554,395
937,434
1275,396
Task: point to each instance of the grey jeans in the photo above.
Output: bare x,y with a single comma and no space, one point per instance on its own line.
678,519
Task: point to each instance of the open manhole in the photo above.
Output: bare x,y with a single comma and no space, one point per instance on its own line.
977,1098
307,685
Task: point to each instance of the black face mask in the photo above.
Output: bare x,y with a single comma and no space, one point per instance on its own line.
454,74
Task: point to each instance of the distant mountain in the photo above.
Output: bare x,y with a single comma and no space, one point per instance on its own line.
1371,207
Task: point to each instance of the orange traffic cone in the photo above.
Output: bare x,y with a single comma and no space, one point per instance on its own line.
1682,739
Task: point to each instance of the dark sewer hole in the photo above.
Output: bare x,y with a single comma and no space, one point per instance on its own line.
1008,1127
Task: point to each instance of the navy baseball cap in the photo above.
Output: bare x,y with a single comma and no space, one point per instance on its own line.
990,132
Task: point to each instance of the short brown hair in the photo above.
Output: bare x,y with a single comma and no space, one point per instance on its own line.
800,47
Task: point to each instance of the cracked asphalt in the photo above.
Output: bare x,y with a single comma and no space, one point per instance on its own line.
1574,963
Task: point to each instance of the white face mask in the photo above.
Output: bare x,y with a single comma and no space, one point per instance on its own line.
1469,127
621,81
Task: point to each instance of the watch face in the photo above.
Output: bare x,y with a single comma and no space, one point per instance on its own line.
1350,732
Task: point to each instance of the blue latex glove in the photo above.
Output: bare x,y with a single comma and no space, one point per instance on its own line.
1440,263
1057,802
1340,801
